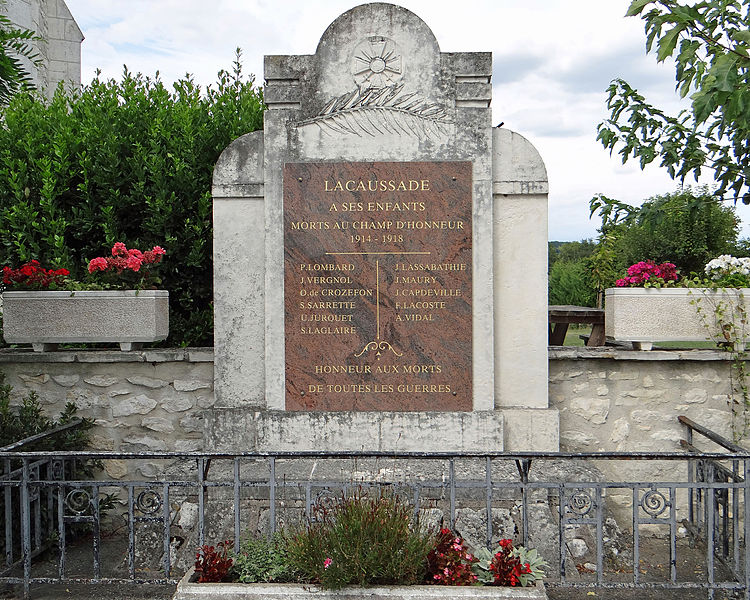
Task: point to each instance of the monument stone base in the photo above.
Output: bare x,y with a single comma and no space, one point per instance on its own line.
240,430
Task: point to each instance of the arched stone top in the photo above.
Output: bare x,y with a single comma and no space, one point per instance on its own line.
377,45
239,170
517,167
375,16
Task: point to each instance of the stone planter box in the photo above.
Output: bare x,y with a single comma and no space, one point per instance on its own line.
47,318
647,315
186,590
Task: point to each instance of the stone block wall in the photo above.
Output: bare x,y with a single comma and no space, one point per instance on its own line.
627,401
139,401
608,399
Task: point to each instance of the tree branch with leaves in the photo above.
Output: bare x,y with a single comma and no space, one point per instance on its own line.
709,41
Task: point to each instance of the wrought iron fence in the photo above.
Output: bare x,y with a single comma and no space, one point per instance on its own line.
700,514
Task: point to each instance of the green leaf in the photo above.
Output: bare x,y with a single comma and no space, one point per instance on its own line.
668,42
636,6
725,71
742,35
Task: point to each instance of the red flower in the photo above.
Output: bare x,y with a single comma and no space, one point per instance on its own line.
119,249
98,264
134,263
449,563
506,567
125,262
32,275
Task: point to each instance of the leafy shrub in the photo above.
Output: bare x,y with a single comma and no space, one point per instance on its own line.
261,560
212,563
130,161
361,540
688,228
28,419
571,282
449,562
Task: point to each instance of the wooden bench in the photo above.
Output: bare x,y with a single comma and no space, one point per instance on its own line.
562,315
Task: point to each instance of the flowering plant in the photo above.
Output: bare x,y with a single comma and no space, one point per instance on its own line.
213,563
360,540
33,276
728,271
647,272
509,566
129,266
449,562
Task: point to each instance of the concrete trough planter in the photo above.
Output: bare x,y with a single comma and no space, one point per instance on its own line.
47,318
187,590
647,315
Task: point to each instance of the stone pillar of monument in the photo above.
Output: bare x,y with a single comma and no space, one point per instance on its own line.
364,252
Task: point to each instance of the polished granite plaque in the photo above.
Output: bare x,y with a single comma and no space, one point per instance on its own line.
377,286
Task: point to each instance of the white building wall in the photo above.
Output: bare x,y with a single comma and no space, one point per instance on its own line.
60,46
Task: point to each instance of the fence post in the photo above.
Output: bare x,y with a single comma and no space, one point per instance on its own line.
25,528
746,484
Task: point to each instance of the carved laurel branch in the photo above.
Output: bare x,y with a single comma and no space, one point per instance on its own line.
382,110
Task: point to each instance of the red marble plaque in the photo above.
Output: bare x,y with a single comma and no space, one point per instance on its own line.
377,286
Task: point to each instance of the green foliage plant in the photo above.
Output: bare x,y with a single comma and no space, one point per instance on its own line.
570,251
15,44
28,418
688,228
570,283
263,560
709,41
719,301
361,540
128,160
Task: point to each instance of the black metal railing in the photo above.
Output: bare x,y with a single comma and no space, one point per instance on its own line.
38,503
542,500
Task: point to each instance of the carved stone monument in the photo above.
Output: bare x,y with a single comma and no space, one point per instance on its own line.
380,255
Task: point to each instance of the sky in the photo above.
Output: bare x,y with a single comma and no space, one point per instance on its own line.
553,60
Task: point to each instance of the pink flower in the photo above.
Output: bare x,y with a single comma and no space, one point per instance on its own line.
644,271
327,563
158,250
134,263
98,264
119,249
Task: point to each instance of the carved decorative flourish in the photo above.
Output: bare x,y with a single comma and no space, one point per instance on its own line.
379,348
654,503
148,502
58,469
377,111
581,502
377,63
78,501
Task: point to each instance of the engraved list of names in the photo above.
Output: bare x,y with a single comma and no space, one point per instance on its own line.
377,286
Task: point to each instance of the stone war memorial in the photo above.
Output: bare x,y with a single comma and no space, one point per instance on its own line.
367,245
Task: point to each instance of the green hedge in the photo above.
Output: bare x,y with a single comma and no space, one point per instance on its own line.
129,161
